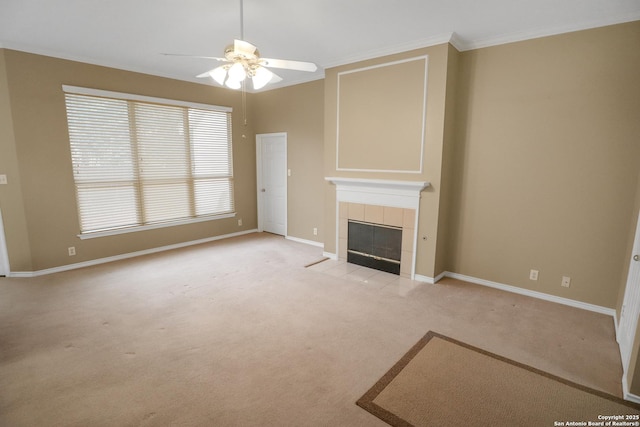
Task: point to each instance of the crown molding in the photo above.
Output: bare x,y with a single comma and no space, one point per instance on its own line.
398,48
456,41
535,34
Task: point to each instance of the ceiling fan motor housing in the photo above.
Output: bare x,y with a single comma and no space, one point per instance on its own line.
233,54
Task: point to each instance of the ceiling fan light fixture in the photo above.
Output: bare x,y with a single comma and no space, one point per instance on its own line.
237,72
219,74
261,77
233,84
243,61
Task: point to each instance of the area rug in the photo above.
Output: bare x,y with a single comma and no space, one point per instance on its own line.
444,382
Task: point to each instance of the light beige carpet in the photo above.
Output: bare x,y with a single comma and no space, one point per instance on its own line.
237,332
441,381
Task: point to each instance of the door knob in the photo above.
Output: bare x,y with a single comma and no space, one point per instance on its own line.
636,257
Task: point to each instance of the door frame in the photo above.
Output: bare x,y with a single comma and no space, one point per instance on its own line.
629,313
4,255
259,143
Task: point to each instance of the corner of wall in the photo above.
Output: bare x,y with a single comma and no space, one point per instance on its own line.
448,164
11,198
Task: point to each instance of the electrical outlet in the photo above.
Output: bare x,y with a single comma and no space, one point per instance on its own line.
315,231
240,222
72,250
3,179
533,275
566,281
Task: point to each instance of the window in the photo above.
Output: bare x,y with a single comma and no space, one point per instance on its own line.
147,162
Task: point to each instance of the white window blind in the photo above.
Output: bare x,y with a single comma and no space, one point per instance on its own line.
138,163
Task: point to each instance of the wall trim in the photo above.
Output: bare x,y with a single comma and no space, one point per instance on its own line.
331,256
424,58
625,391
259,178
5,267
380,192
392,50
427,279
539,295
124,256
464,45
305,241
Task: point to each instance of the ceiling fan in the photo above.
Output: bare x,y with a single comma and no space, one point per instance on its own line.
243,61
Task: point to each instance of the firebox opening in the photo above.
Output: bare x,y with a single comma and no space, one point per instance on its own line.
375,246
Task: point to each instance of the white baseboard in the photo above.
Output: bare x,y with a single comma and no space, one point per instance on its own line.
632,397
124,256
625,391
331,256
305,241
540,295
427,279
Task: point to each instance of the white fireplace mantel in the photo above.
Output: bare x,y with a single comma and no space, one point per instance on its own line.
381,192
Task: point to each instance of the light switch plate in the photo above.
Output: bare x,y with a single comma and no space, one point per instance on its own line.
3,179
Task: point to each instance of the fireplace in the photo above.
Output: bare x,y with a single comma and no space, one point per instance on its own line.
374,245
386,203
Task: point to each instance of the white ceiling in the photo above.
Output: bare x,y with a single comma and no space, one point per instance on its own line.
133,34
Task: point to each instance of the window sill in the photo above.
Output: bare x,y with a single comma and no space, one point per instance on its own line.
84,236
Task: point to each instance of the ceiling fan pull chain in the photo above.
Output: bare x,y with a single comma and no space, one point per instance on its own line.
244,104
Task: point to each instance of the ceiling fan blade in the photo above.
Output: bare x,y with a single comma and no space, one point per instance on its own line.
289,65
195,56
241,47
275,78
205,74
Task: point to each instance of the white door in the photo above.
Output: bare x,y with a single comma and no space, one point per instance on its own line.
630,305
4,256
271,160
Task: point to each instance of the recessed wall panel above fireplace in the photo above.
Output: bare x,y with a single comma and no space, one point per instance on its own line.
383,116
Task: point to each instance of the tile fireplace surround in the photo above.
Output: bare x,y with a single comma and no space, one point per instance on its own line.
386,202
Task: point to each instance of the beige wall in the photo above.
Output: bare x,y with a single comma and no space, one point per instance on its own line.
11,202
44,223
298,111
547,162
